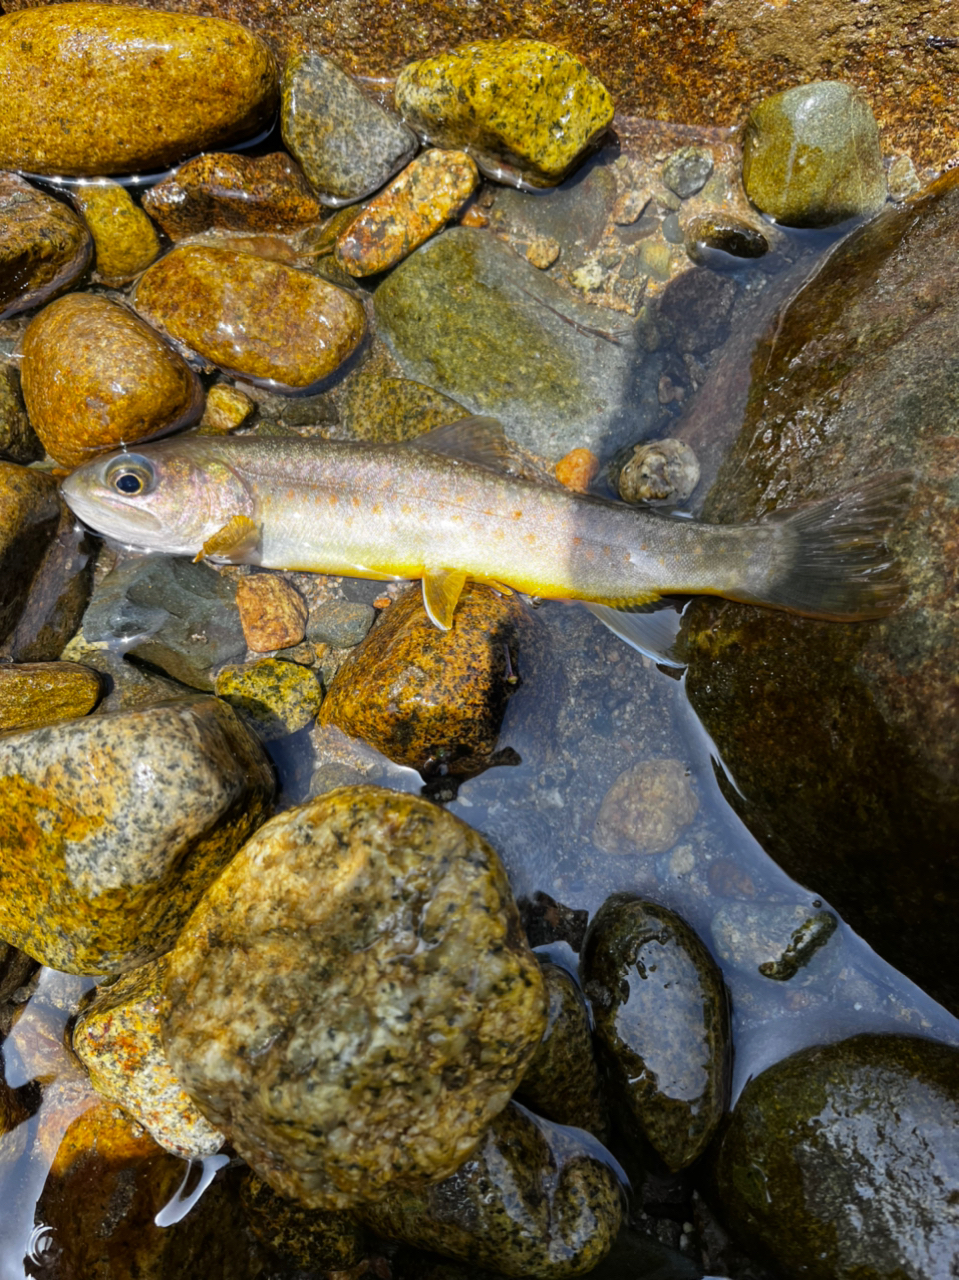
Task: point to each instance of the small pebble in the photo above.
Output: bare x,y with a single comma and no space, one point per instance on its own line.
629,206
660,471
687,171
226,409
125,239
578,469
542,252
646,808
273,613
340,623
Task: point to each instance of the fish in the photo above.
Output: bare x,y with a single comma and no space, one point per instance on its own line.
454,505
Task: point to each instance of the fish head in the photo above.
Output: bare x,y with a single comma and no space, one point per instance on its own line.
167,497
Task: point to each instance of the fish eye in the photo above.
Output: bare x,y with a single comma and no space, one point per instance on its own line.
131,476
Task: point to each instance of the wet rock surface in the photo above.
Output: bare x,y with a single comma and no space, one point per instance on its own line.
40,693
347,144
44,246
95,375
533,1200
100,89
18,440
272,613
775,941
353,1000
646,808
251,316
721,240
112,826
663,471
29,516
476,97
662,1021
124,237
841,1161
276,698
309,1239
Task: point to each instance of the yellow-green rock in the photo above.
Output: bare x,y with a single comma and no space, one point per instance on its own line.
33,694
524,110
125,239
100,88
278,697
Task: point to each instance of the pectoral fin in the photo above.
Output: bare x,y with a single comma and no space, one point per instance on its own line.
237,537
441,590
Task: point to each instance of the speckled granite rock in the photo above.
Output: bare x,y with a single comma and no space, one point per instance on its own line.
662,1022
44,246
38,693
347,144
353,1000
308,1239
562,1081
533,1200
111,827
100,89
646,808
95,375
840,1162
29,515
117,1038
811,155
272,612
255,318
277,698
18,440
242,193
429,192
477,97
431,699
125,239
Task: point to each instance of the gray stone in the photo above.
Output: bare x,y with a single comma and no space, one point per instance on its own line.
687,171
347,145
339,623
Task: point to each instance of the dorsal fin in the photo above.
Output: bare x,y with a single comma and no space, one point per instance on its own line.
441,590
483,442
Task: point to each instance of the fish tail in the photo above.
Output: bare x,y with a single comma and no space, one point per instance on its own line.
833,562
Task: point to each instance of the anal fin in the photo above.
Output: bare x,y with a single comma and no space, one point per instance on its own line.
441,590
238,536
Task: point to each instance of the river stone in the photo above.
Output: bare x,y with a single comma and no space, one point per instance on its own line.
430,191
18,440
347,144
534,1199
241,193
276,698
662,1022
646,808
308,1239
687,170
478,98
226,409
168,612
29,516
339,623
117,1038
37,693
720,240
811,156
98,89
562,1080
494,347
111,827
851,745
253,317
44,246
840,1162
272,612
434,700
125,240
353,1000
377,406
94,375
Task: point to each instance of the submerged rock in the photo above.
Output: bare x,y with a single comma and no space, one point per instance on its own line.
660,471
44,246
477,97
111,827
646,808
840,1162
253,317
687,170
101,88
58,595
308,1239
811,155
662,1021
125,239
95,375
18,440
775,941
353,1000
842,737
534,1199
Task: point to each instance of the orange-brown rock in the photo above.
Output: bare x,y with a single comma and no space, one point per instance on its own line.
242,193
252,316
29,512
98,89
33,694
578,469
44,246
95,375
272,613
125,239
226,408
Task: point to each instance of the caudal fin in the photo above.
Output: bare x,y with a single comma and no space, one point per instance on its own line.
835,564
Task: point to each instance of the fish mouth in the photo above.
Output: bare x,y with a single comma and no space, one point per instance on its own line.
91,509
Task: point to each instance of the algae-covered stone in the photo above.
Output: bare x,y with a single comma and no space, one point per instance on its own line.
431,699
95,375
840,1162
662,1021
378,406
44,246
98,89
428,193
524,109
646,808
251,316
241,193
226,409
37,693
277,697
29,515
533,1200
811,155
347,144
308,1239
117,1038
353,999
562,1081
126,242
111,827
